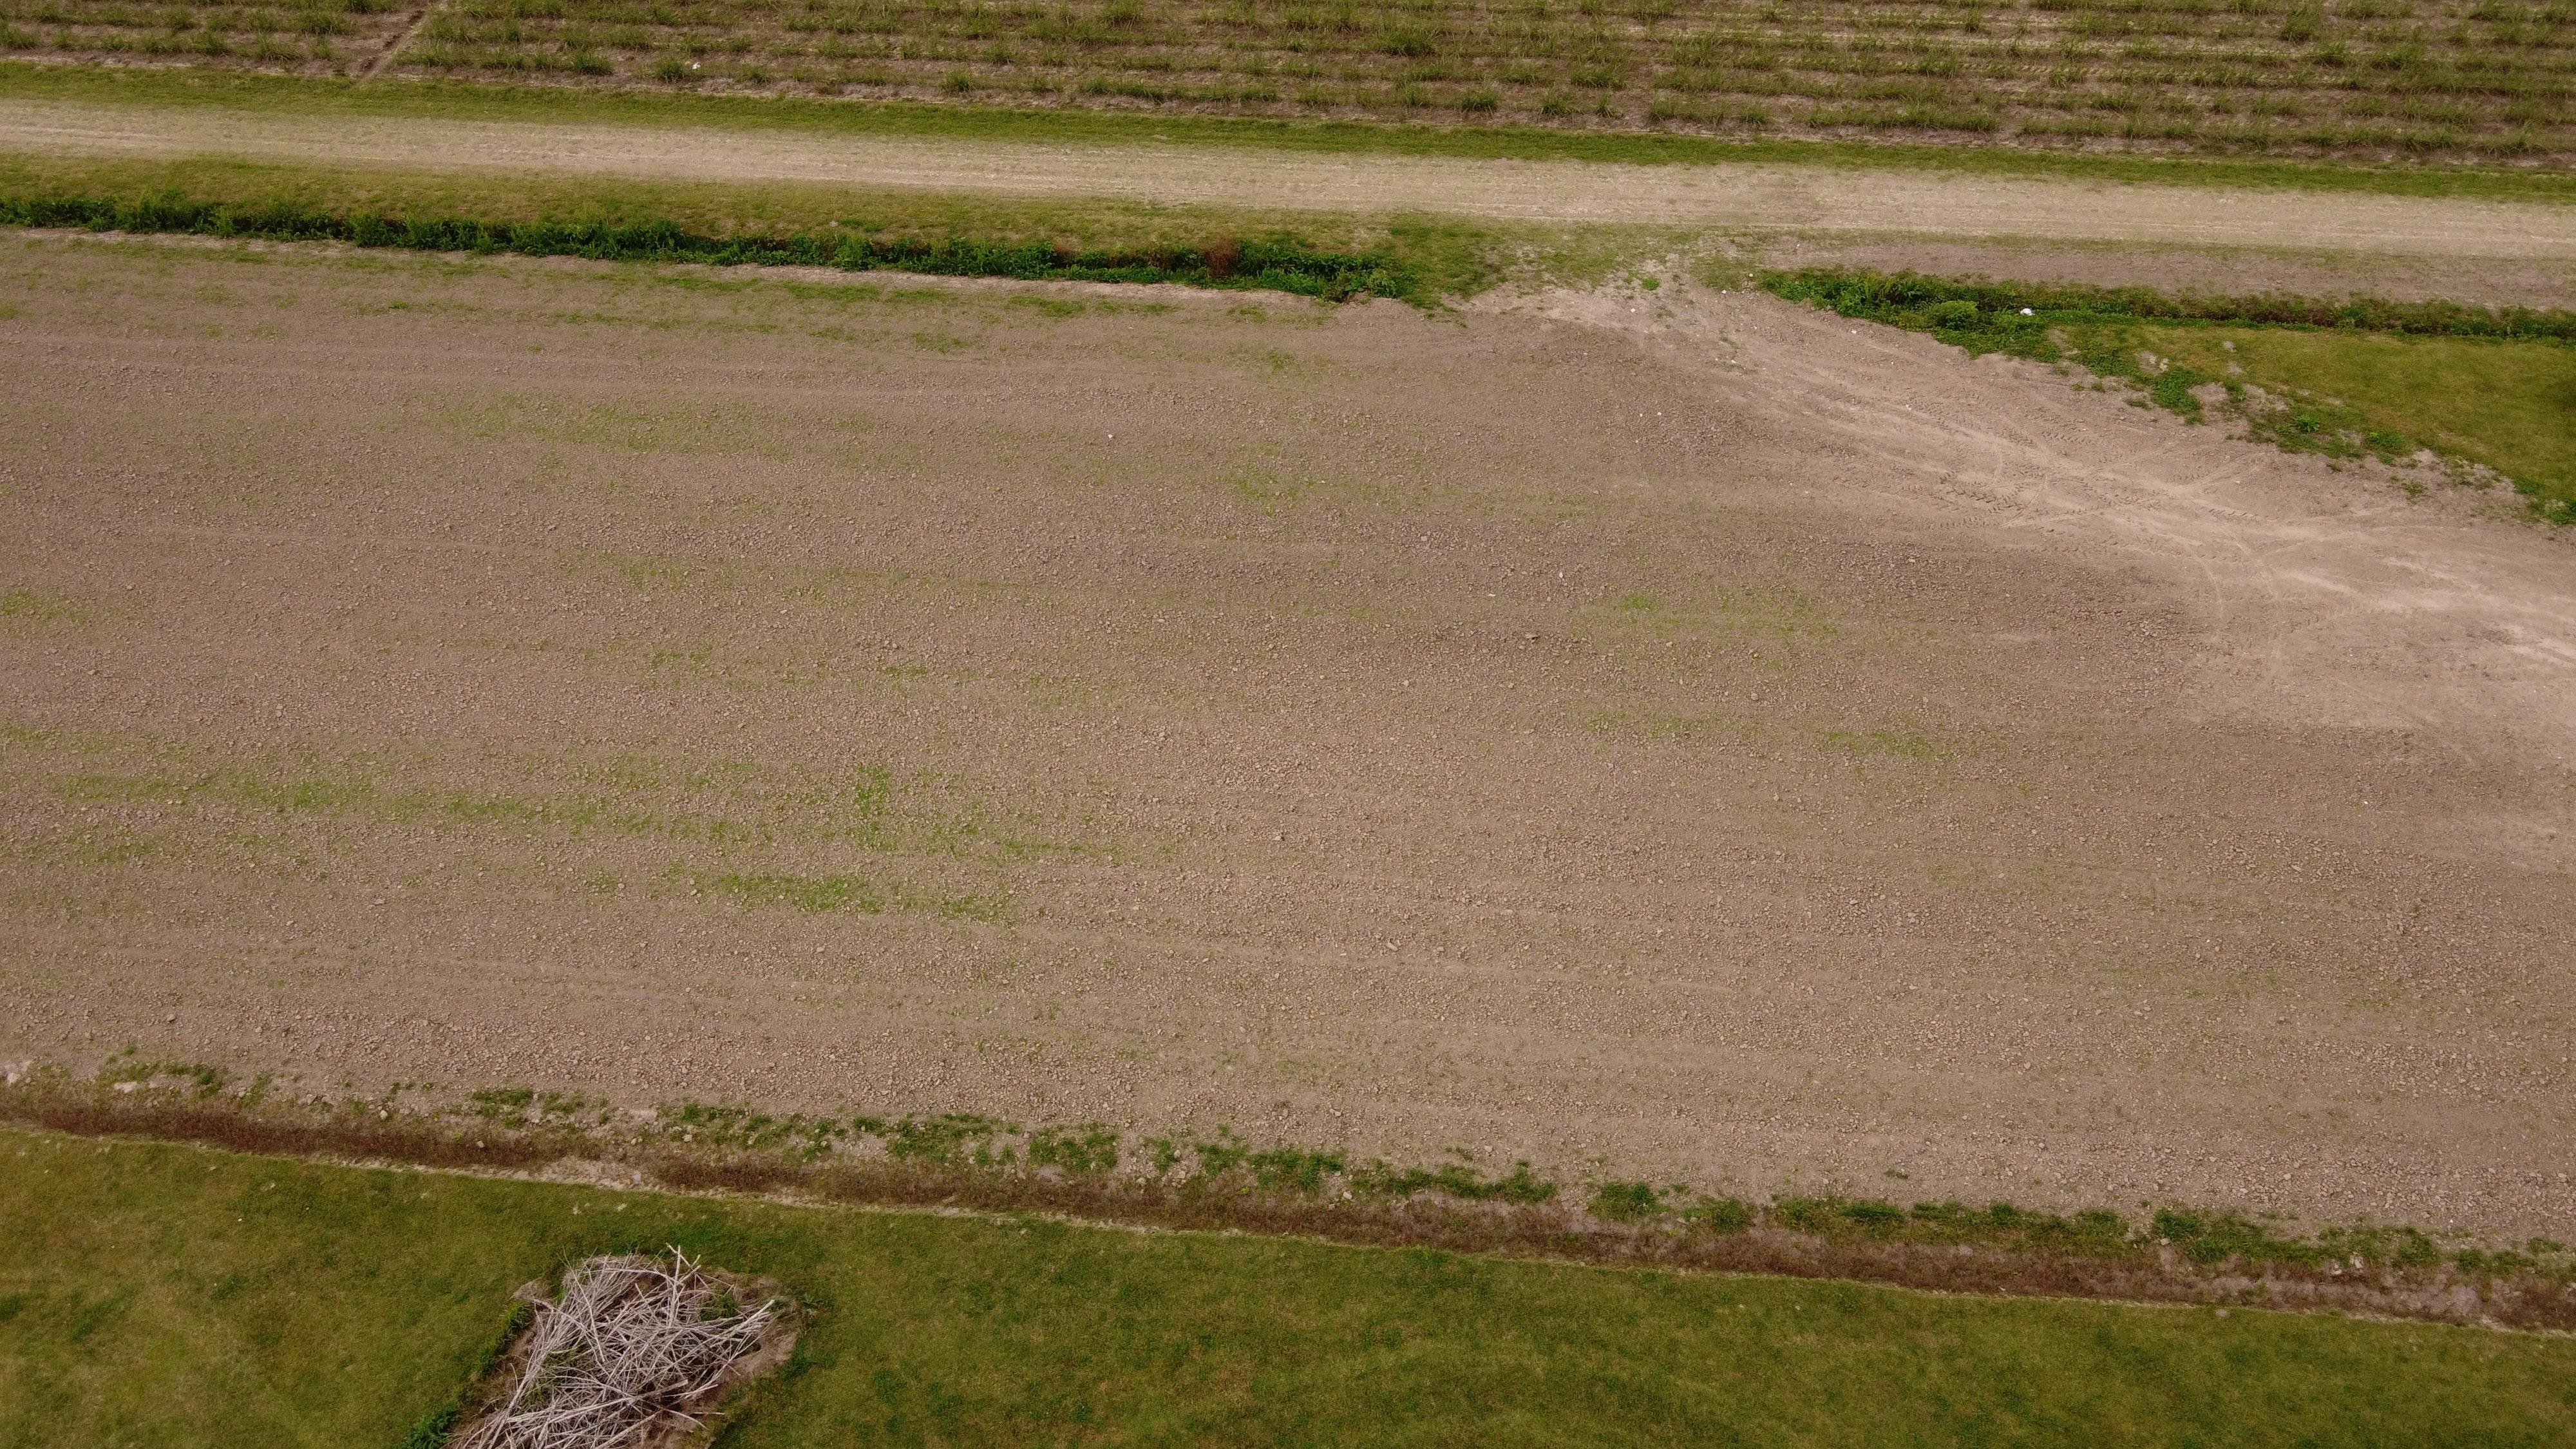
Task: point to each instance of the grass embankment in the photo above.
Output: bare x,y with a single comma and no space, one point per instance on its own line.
165,1295
607,219
388,97
2361,378
2174,1254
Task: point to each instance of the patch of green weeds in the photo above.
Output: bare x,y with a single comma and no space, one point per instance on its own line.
953,1139
1271,492
127,1071
34,606
712,1125
2097,1229
1294,1169
1903,744
1720,1215
1227,1156
1520,1185
2217,1238
812,894
500,1103
1227,1153
1088,1151
528,1107
1626,1202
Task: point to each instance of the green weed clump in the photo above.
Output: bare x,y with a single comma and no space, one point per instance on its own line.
1626,1202
1089,1151
740,1127
1275,262
2212,1239
951,1139
812,894
1519,1186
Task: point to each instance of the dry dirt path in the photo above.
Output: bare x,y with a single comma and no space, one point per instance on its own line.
1751,197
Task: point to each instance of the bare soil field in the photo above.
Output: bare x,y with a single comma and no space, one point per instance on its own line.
1757,199
1669,735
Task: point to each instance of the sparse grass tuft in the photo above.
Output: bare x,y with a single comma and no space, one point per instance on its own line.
35,606
805,893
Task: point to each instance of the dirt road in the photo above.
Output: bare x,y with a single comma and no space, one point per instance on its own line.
1682,737
1750,198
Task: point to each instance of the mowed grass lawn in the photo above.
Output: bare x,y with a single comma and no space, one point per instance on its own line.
2509,405
162,1295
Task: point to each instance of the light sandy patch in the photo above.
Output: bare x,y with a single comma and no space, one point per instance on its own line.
1747,197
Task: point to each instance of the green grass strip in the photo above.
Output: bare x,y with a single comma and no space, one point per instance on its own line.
1277,263
1056,125
1996,309
2367,378
158,1295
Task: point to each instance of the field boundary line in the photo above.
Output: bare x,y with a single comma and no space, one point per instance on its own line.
1551,1231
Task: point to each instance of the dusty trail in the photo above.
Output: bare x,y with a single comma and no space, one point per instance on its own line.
1755,198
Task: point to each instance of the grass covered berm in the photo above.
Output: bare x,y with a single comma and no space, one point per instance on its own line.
160,1295
1277,263
2354,378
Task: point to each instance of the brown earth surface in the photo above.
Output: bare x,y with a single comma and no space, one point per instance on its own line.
1753,198
1674,735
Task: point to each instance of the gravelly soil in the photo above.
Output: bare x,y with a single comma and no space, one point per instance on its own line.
1759,198
1678,736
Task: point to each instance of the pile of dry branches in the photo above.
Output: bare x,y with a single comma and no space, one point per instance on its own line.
628,1350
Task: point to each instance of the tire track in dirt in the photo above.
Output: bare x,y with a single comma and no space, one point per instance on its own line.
401,37
1758,198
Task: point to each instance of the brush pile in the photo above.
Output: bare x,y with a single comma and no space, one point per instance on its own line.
623,1357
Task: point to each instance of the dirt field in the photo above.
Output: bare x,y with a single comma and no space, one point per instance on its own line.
1669,735
1755,199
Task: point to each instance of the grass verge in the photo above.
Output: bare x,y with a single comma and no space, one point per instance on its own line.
1420,260
2482,393
1052,125
166,1295
715,225
1223,1181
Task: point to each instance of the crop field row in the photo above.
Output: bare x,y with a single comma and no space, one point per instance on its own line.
316,36
2488,78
